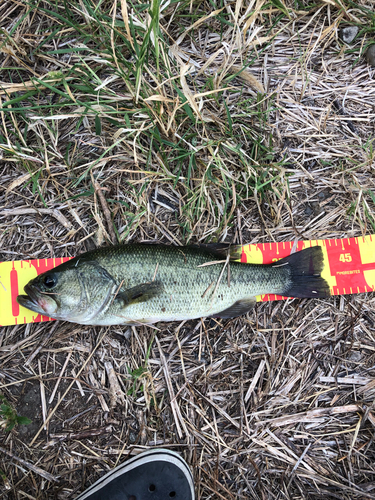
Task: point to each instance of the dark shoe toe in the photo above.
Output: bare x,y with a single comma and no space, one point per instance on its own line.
154,475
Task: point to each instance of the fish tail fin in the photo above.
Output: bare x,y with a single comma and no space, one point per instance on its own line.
305,274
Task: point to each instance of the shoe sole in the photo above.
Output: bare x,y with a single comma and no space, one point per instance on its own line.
157,454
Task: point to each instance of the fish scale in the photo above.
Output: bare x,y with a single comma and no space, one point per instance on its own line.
184,282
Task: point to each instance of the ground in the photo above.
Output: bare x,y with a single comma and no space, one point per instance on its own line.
181,123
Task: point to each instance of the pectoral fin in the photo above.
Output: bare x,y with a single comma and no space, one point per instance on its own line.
237,309
139,293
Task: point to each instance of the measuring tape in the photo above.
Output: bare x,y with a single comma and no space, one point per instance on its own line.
349,267
349,264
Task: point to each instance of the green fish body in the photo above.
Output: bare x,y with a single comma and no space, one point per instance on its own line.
144,284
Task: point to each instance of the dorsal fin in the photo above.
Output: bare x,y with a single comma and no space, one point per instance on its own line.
221,250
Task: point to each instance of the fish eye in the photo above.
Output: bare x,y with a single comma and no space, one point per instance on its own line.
50,280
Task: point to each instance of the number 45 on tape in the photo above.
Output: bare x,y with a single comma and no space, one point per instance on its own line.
345,257
349,267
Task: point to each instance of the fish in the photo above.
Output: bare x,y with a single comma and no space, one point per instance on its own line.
142,284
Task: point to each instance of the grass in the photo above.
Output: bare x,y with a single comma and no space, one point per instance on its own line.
200,121
146,85
9,417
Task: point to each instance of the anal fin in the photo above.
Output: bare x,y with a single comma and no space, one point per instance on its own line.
240,307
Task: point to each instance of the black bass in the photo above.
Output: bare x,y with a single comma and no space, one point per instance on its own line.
143,284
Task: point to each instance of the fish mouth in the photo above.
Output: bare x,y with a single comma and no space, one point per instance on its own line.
33,300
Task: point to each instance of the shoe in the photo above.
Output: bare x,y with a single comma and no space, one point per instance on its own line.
156,474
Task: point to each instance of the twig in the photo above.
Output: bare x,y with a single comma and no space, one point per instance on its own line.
221,275
342,112
156,270
310,415
23,380
212,263
207,289
218,409
59,379
96,385
30,466
298,463
255,380
68,389
42,394
47,211
41,344
115,392
175,409
89,433
117,291
78,383
107,213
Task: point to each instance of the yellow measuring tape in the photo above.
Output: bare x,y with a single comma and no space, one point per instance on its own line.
349,267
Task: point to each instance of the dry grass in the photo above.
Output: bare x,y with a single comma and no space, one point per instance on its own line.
252,124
